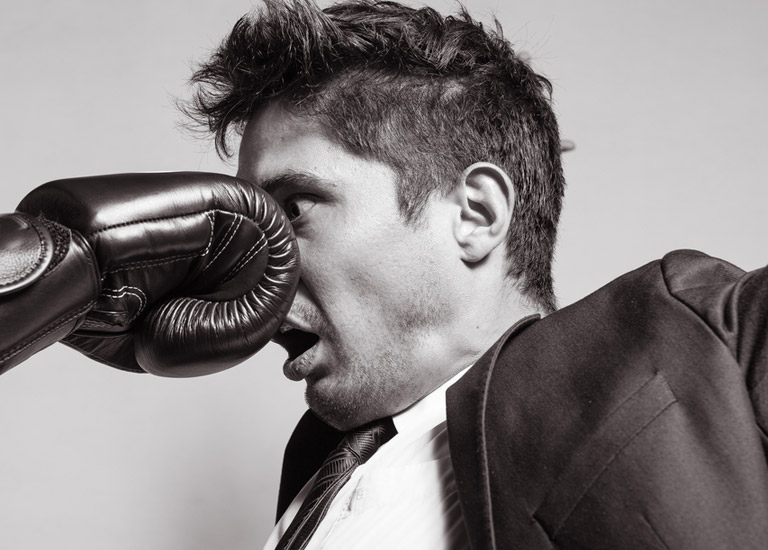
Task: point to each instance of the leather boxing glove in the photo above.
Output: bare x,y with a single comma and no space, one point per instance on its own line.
177,274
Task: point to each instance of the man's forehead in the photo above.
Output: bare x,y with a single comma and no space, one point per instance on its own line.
263,126
267,139
276,119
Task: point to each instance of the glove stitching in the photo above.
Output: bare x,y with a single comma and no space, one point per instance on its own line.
123,290
272,290
250,255
227,240
169,259
151,263
159,219
89,324
211,214
121,293
24,345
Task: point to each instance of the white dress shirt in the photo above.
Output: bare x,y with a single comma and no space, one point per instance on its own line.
404,497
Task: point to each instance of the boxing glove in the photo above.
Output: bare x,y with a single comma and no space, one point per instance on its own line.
177,274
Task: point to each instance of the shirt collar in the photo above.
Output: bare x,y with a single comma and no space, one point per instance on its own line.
427,412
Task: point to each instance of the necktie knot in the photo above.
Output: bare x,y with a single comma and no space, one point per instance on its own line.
365,440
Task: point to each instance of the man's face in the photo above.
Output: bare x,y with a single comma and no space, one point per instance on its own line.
374,292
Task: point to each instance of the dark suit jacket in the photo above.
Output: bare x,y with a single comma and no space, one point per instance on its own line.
634,418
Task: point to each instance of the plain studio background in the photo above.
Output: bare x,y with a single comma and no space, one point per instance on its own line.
666,104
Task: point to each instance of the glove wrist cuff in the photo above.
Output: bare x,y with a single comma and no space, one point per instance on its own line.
26,251
44,264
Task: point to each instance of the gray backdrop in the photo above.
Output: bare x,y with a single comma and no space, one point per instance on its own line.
665,101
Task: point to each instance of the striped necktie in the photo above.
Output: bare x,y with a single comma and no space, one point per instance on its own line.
355,449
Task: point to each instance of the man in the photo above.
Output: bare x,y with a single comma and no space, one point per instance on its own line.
398,189
418,158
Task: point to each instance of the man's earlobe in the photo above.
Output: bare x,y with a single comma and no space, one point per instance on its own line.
487,199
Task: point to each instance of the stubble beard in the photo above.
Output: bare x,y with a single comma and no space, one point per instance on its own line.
372,383
361,391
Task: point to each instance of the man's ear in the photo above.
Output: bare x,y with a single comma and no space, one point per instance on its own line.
486,199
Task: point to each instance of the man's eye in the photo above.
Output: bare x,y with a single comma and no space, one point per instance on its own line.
297,206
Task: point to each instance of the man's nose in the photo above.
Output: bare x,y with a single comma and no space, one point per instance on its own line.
300,299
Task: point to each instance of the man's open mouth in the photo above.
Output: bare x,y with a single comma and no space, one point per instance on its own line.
294,341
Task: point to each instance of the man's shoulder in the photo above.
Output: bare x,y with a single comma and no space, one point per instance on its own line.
654,297
676,274
681,280
638,315
606,388
682,277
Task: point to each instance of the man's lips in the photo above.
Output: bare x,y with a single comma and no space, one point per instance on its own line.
299,344
295,341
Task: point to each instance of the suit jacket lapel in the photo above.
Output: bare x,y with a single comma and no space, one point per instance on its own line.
311,442
466,407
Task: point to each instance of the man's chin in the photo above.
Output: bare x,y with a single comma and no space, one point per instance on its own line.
339,412
326,408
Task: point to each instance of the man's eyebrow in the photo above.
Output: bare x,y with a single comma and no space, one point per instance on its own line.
273,184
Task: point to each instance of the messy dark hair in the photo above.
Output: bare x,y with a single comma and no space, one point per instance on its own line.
426,94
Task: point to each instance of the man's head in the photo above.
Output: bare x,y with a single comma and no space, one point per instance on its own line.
419,160
426,95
